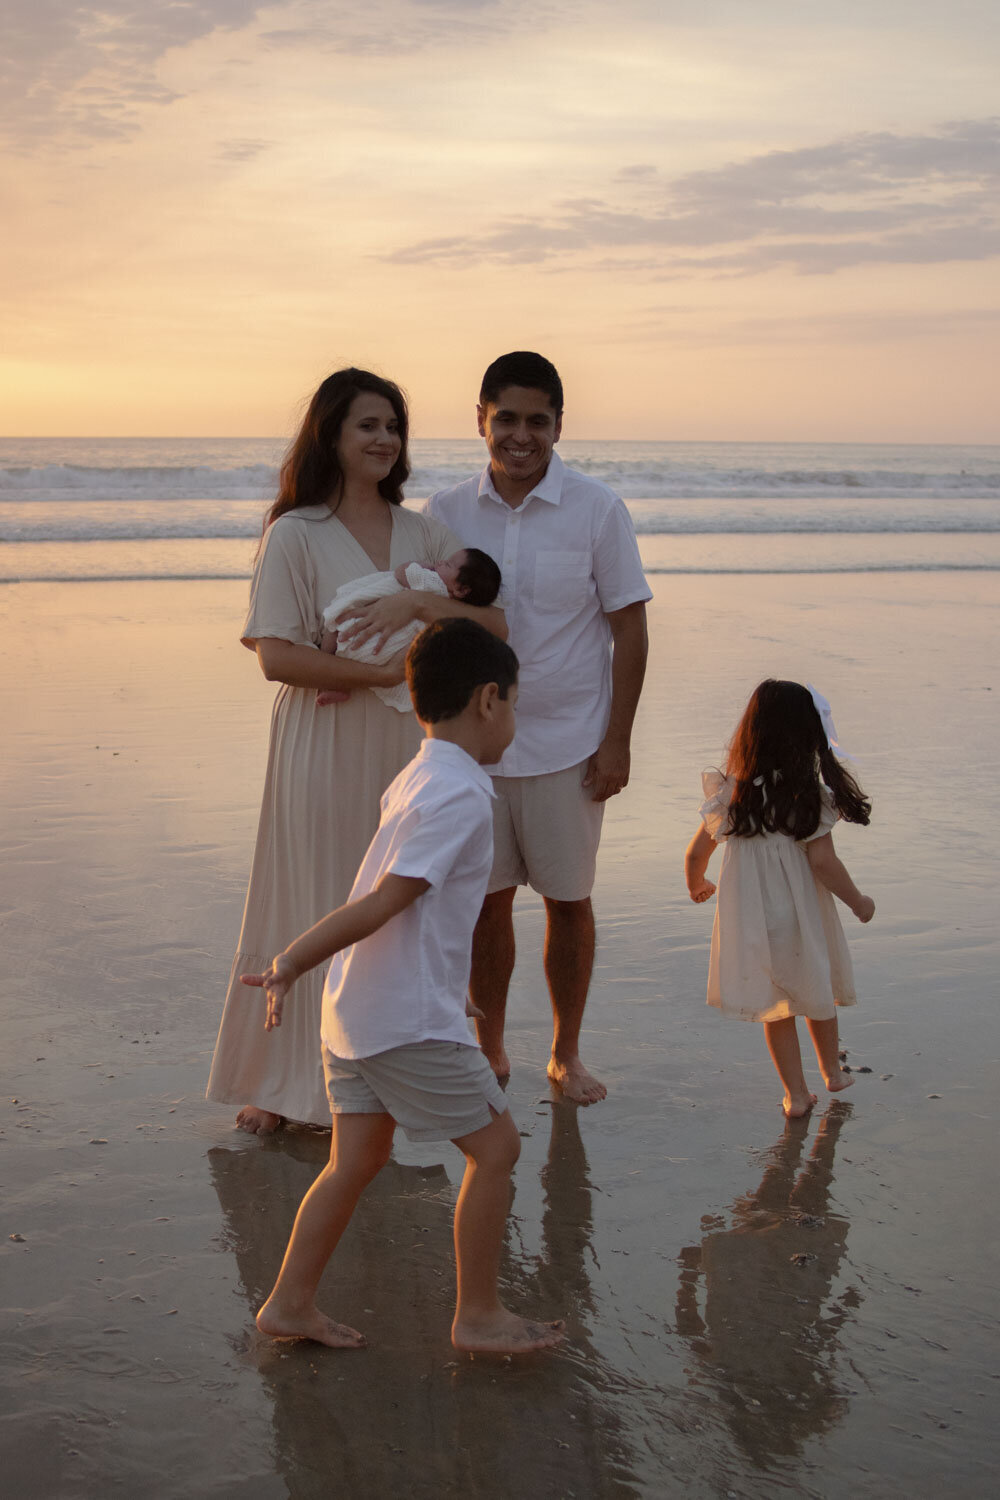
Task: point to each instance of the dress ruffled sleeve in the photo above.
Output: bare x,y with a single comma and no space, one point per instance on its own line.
828,815
282,591
714,811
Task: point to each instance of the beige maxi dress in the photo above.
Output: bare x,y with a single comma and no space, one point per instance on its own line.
326,770
778,948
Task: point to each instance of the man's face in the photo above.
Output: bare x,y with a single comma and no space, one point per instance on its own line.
520,430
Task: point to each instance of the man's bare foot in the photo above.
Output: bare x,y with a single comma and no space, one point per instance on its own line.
837,1082
797,1105
308,1324
575,1082
505,1333
257,1121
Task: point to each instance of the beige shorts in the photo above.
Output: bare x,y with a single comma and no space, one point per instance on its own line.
546,832
437,1091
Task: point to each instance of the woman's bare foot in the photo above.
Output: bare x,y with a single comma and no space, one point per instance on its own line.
575,1082
504,1332
308,1324
839,1081
257,1121
797,1105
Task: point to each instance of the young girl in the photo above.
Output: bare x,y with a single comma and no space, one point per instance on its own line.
778,949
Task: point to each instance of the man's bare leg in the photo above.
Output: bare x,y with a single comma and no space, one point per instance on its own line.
359,1150
482,1324
489,981
569,963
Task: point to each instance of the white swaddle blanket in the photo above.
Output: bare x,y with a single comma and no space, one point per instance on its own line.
376,586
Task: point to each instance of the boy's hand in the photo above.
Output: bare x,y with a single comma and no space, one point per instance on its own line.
473,1010
277,979
704,890
865,909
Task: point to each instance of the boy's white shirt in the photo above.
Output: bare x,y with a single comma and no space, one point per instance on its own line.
408,982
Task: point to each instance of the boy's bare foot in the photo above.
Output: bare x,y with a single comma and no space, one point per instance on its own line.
505,1333
575,1082
310,1324
257,1121
797,1105
839,1081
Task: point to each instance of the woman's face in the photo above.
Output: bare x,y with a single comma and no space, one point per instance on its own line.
369,442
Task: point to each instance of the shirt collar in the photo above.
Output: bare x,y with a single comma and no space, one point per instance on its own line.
549,487
451,755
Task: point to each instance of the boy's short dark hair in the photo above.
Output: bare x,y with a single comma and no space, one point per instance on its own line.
531,371
478,577
448,661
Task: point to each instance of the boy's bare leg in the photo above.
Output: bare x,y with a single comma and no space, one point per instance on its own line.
569,963
826,1039
482,1324
489,981
783,1045
359,1150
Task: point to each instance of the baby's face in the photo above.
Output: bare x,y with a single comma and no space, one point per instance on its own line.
447,571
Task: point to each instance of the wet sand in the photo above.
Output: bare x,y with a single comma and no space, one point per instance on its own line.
140,1231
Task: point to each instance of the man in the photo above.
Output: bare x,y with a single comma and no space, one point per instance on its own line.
574,596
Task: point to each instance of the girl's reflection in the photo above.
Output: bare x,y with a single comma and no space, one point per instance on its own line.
766,1335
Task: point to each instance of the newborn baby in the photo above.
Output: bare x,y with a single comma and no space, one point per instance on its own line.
470,575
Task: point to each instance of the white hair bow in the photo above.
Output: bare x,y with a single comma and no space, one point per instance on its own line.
829,728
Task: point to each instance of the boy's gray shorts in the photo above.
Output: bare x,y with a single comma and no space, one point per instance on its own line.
437,1091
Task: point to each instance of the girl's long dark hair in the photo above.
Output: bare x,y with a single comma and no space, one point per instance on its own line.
311,472
777,758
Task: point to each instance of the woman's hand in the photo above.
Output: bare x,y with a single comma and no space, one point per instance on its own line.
277,979
379,619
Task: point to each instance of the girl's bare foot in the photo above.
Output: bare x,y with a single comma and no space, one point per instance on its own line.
797,1105
505,1333
257,1121
308,1324
837,1082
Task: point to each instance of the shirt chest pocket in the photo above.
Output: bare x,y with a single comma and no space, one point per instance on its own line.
563,580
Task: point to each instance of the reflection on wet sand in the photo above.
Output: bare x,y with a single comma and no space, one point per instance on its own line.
408,1415
766,1336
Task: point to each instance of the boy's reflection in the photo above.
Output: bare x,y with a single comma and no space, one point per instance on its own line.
767,1336
407,1415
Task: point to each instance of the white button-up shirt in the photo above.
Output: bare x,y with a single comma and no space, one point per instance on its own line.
408,981
568,557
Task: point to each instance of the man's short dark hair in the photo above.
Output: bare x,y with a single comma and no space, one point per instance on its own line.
478,577
448,661
531,371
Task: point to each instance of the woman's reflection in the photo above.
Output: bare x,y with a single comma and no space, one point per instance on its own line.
767,1334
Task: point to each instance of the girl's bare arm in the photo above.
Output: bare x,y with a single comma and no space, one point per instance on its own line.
830,871
699,852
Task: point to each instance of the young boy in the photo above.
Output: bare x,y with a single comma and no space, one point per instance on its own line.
396,1043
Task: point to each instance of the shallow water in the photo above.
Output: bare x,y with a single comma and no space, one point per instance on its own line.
702,1359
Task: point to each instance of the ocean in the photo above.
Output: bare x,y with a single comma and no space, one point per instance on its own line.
143,508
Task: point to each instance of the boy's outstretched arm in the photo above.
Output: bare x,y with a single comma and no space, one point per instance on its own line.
348,924
699,852
829,870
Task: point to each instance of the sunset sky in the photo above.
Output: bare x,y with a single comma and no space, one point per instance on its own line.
722,220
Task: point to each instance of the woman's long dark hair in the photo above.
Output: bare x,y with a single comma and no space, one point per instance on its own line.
311,472
777,758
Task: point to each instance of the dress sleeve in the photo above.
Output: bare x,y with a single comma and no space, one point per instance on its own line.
714,811
828,815
283,589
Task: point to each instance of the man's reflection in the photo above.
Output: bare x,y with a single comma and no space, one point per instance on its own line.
766,1335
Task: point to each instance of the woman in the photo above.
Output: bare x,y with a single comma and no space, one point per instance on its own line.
338,515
